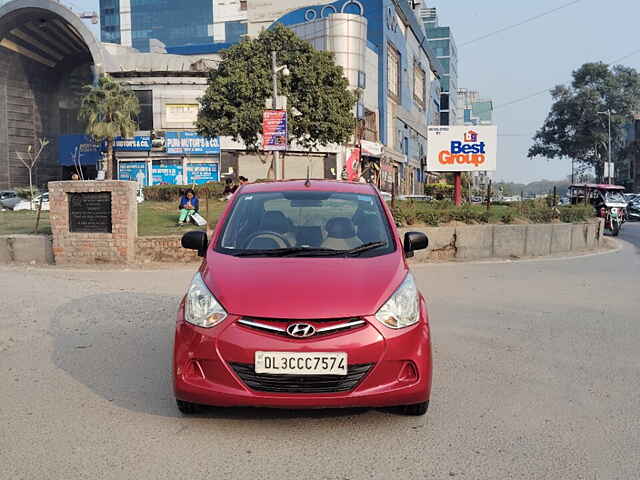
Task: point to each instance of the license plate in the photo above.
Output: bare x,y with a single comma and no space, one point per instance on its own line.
305,363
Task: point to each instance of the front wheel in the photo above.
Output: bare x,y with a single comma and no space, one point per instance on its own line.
615,228
187,408
415,410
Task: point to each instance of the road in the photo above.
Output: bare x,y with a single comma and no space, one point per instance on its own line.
537,376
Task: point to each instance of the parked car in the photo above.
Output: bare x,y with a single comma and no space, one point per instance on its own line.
24,204
304,299
385,196
6,196
416,198
633,210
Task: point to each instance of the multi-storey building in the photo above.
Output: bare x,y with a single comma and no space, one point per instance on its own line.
442,43
134,23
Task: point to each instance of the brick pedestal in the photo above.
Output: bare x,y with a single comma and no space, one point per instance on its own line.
119,246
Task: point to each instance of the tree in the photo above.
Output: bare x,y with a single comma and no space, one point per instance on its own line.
31,162
575,129
316,88
110,111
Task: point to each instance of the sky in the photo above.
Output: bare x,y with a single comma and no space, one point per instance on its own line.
526,59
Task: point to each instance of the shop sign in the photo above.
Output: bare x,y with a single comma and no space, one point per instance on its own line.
139,143
167,173
133,172
199,173
190,143
274,130
77,148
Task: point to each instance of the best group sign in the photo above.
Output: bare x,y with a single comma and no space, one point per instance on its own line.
462,148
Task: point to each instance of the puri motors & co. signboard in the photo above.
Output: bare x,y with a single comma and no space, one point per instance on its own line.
462,148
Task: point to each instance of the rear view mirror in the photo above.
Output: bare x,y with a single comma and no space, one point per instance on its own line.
414,241
196,240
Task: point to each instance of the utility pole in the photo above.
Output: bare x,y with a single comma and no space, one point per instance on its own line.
608,113
274,106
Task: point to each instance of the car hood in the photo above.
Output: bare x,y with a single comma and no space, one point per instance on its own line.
303,288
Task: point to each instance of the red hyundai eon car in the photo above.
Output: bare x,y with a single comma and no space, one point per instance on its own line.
303,300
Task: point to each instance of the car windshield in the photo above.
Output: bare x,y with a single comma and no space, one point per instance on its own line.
615,197
306,223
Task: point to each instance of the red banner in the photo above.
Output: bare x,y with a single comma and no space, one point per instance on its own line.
274,130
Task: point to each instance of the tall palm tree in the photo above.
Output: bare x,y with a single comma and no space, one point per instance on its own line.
110,111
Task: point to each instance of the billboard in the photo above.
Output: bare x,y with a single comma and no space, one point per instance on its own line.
134,172
274,130
72,148
462,148
202,173
190,143
138,143
167,173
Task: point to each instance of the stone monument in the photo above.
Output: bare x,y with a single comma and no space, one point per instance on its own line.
93,221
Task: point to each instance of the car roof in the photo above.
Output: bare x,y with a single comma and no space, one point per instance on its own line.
313,185
598,186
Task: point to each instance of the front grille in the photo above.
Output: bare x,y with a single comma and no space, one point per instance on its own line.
264,382
279,327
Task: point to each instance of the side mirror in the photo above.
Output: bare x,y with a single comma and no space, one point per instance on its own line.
414,241
196,240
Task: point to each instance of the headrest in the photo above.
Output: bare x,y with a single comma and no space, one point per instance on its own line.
340,227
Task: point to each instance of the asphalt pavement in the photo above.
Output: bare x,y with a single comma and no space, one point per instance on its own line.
536,376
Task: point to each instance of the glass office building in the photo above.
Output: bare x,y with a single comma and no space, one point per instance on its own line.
173,22
441,41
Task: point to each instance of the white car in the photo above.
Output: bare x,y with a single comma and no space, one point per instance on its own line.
416,198
24,204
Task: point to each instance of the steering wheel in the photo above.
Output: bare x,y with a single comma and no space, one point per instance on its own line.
278,238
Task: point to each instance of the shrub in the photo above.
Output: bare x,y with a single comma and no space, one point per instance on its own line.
26,193
507,217
439,191
171,193
576,213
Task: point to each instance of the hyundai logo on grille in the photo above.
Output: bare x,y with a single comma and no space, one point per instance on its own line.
301,330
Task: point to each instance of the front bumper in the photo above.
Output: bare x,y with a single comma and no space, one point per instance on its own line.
205,364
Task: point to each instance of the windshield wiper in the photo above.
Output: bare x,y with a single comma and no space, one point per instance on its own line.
282,252
308,251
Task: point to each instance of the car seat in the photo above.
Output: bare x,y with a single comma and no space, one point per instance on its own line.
341,234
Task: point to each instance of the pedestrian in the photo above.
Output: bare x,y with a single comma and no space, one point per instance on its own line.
228,187
189,204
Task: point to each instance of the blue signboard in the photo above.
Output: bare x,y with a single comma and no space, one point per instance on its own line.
167,173
134,172
190,143
74,148
202,173
135,144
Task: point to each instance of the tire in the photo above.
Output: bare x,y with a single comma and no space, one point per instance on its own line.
615,228
187,408
416,409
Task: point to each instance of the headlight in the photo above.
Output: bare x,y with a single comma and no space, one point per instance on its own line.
401,310
201,308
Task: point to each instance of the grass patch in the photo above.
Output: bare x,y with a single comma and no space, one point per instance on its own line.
160,218
154,218
23,222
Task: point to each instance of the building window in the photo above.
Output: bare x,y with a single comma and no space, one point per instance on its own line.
243,5
419,85
393,72
145,117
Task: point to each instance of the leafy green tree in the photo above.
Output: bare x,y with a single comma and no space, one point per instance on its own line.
110,111
316,88
574,129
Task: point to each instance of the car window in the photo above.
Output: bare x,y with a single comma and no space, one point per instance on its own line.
306,220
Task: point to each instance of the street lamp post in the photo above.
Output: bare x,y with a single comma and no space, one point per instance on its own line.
275,69
608,114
